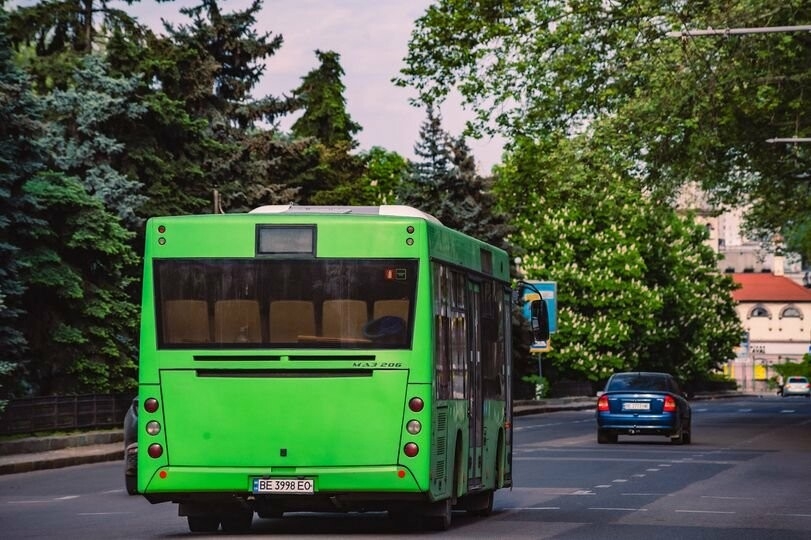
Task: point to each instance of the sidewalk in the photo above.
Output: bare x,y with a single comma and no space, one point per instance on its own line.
52,452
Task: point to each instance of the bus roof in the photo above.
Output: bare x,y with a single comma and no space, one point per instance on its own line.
383,210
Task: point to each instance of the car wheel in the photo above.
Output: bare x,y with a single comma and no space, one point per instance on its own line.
678,438
687,436
131,483
606,437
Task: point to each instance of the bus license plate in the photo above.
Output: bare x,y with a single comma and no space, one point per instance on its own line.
284,485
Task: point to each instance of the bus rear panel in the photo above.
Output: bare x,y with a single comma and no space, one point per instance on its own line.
287,364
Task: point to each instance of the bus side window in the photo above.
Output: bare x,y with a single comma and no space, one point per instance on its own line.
343,318
185,321
237,321
290,319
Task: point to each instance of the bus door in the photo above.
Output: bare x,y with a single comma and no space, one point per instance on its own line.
475,400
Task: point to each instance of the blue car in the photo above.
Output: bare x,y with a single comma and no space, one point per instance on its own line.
643,403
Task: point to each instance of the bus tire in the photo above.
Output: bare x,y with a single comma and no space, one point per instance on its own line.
441,515
238,522
203,524
480,504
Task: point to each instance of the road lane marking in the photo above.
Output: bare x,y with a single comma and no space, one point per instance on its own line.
619,509
603,486
620,480
102,513
40,501
728,498
522,508
704,512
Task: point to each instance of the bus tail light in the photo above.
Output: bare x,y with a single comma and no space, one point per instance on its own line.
153,427
413,427
602,403
155,450
416,404
670,404
151,405
411,449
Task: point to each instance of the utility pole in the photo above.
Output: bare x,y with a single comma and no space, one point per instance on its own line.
738,31
684,34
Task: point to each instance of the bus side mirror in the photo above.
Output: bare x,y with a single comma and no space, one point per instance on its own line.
539,321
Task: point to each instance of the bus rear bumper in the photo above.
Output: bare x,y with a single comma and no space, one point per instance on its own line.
334,484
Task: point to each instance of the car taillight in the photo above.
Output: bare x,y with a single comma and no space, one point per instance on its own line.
670,404
602,404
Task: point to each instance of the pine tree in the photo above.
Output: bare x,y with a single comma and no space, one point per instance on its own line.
20,158
432,168
335,177
446,185
321,94
82,322
76,121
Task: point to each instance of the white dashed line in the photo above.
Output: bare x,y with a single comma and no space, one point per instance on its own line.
703,512
620,509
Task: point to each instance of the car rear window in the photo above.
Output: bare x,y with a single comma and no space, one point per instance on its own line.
797,379
654,383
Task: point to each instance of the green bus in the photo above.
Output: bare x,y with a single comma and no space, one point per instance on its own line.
322,359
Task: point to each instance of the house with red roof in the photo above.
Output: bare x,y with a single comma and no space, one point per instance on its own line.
775,311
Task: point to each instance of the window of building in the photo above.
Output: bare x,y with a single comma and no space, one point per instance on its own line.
760,311
791,312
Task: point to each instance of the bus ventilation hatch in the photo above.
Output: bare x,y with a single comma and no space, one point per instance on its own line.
441,444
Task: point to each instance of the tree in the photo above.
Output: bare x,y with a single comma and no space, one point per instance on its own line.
432,167
637,287
20,159
446,185
321,95
77,123
696,109
60,32
326,122
81,337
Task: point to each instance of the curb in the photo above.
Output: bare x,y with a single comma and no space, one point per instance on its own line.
61,458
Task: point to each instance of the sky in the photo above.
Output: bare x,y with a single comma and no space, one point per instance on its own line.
372,38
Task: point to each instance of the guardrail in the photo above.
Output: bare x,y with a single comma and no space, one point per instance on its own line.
55,413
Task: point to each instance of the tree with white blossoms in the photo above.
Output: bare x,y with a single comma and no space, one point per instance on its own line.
637,286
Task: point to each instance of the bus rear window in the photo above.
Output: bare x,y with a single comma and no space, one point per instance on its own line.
323,303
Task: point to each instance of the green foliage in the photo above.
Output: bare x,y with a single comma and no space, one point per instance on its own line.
79,266
802,369
20,158
321,94
76,120
637,287
445,184
695,109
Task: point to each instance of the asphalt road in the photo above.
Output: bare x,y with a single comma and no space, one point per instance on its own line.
746,476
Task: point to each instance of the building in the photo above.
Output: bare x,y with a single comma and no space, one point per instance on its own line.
775,312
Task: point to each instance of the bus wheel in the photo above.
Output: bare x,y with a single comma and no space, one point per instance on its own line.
481,504
203,523
439,518
238,522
